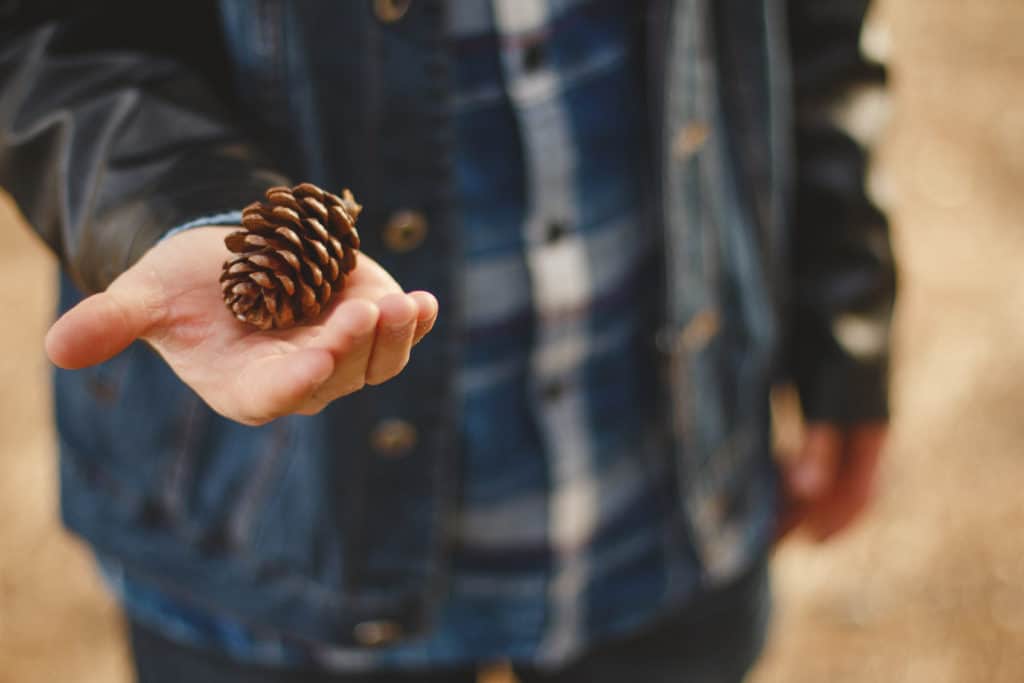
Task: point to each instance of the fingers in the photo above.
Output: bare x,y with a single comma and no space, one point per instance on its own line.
370,343
372,351
809,478
426,314
278,385
832,480
811,475
100,327
855,484
395,330
348,335
404,321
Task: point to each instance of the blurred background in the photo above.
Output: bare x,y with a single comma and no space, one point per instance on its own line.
929,588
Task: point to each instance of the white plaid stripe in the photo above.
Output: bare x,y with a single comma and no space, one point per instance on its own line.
564,277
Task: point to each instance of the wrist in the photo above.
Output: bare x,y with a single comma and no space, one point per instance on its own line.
231,219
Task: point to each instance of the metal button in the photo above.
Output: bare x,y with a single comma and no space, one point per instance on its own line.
405,231
689,139
700,330
393,438
377,633
390,11
153,514
693,337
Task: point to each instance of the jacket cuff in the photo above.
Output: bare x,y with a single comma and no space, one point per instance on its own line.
146,220
226,219
845,391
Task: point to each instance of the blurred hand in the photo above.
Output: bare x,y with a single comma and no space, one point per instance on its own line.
832,479
171,298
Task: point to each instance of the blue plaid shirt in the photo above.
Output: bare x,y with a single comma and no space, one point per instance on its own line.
564,534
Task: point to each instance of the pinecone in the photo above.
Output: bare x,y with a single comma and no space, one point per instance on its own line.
293,255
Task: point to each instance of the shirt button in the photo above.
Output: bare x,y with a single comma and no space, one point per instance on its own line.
534,57
689,139
393,438
556,230
377,633
554,389
390,11
405,231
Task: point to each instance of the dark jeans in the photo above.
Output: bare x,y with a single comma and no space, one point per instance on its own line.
716,639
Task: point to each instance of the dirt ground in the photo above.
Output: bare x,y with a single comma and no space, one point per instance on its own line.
928,589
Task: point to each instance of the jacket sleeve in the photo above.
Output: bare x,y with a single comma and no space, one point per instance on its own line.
111,131
843,279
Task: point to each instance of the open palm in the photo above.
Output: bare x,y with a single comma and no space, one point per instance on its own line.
171,299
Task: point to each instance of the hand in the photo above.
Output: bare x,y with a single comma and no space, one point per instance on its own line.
171,298
832,479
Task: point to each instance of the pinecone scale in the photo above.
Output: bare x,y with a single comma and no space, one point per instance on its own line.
292,256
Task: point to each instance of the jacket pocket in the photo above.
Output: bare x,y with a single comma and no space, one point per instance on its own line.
146,454
128,428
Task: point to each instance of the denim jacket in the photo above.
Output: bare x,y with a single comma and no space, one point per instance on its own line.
120,120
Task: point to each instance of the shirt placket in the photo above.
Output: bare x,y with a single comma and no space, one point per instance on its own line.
560,282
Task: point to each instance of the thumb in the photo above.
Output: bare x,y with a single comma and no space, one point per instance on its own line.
100,327
813,472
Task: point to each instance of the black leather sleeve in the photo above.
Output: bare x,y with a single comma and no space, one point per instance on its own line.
844,279
112,128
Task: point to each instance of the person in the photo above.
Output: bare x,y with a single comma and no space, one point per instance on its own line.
615,227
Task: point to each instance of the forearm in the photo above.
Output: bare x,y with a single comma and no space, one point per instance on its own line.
843,276
105,148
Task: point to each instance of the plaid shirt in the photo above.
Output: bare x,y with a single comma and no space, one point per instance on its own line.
564,534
